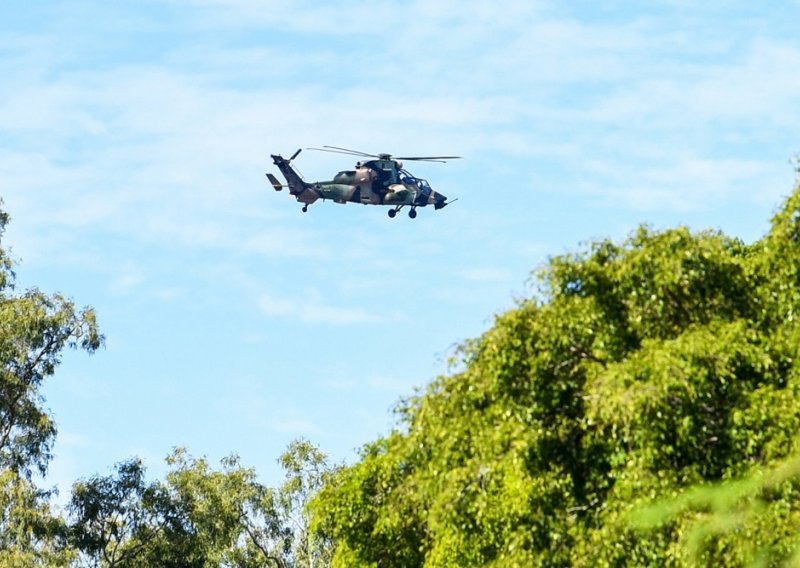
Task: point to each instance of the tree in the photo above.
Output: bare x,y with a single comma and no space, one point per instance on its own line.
30,534
234,520
200,516
35,328
635,371
117,519
307,470
195,517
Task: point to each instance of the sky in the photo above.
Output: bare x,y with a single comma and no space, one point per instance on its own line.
135,135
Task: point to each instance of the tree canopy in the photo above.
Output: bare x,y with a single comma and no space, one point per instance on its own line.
635,372
35,328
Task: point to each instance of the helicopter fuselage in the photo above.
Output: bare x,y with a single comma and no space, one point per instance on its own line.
395,194
373,182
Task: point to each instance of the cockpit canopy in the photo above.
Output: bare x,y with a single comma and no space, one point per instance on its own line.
407,178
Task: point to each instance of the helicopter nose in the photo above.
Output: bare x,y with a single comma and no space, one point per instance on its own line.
440,201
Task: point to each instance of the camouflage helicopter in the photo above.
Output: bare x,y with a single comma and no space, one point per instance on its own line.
377,180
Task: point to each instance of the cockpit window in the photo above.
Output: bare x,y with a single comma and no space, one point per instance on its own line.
423,185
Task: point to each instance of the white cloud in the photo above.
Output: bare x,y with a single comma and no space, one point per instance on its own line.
127,281
169,294
682,182
486,274
751,89
296,426
308,307
512,79
340,384
260,412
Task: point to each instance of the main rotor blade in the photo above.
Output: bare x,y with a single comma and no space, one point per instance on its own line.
427,158
338,150
349,152
331,151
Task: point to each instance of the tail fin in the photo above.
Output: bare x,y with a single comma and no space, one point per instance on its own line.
293,179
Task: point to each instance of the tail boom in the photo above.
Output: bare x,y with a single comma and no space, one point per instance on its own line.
300,189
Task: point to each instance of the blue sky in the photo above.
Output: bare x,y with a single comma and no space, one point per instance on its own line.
134,138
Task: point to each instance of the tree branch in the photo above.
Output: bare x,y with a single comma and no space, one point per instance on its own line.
253,538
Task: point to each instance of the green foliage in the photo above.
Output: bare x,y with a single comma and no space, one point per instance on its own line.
636,371
118,520
200,516
30,534
306,472
35,328
232,519
750,521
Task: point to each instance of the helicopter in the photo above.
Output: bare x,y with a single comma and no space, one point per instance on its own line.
378,179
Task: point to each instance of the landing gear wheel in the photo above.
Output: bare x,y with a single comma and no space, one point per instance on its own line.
392,213
305,208
412,214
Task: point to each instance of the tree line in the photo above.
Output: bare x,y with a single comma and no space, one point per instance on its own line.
640,408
